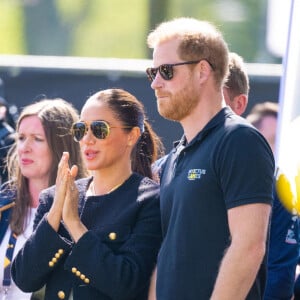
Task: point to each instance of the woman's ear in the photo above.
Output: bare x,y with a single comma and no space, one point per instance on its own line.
133,136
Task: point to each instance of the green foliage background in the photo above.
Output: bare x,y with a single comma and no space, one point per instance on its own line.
118,28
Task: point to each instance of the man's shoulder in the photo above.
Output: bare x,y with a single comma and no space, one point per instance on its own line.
227,122
236,128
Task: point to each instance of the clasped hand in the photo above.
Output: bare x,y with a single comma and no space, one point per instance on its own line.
65,204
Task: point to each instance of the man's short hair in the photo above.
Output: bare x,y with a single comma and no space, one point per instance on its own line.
237,81
197,40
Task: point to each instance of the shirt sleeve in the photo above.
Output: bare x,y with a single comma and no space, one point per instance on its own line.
245,164
30,269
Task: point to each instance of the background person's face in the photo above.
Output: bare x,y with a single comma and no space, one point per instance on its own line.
267,128
33,151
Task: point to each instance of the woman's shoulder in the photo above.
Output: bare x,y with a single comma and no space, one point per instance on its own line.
83,183
147,187
144,181
150,183
7,201
7,196
8,188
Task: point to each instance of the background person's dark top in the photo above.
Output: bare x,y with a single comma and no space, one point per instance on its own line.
227,164
283,253
6,141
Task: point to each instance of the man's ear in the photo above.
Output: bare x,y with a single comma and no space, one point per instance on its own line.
204,69
240,104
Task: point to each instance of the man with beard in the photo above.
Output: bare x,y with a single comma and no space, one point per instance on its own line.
235,91
216,185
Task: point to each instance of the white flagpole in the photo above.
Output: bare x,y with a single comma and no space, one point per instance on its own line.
288,131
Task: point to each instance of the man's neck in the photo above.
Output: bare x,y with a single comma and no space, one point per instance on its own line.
200,116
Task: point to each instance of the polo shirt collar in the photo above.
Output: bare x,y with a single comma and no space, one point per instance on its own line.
215,122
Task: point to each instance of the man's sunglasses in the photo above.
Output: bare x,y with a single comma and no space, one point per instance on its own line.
100,129
166,70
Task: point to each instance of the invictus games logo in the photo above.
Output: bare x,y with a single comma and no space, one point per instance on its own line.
194,174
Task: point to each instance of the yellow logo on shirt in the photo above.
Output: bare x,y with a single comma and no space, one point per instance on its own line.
194,174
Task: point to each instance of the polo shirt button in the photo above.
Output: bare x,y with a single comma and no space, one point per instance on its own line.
61,295
112,236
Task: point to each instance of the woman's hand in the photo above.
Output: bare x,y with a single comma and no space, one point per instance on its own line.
62,182
70,213
70,208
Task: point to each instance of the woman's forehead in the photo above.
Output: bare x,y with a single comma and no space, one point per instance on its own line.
94,110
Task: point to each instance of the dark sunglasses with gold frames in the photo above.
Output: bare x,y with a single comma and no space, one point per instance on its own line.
100,129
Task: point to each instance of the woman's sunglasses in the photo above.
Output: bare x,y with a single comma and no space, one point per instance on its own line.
166,70
100,129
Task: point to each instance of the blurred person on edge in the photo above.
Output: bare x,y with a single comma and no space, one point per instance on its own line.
284,232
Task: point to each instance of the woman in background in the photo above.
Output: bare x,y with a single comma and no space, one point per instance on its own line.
42,135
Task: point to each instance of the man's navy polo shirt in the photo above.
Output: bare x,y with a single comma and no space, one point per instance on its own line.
227,164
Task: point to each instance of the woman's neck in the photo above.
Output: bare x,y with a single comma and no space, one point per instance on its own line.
35,187
106,183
